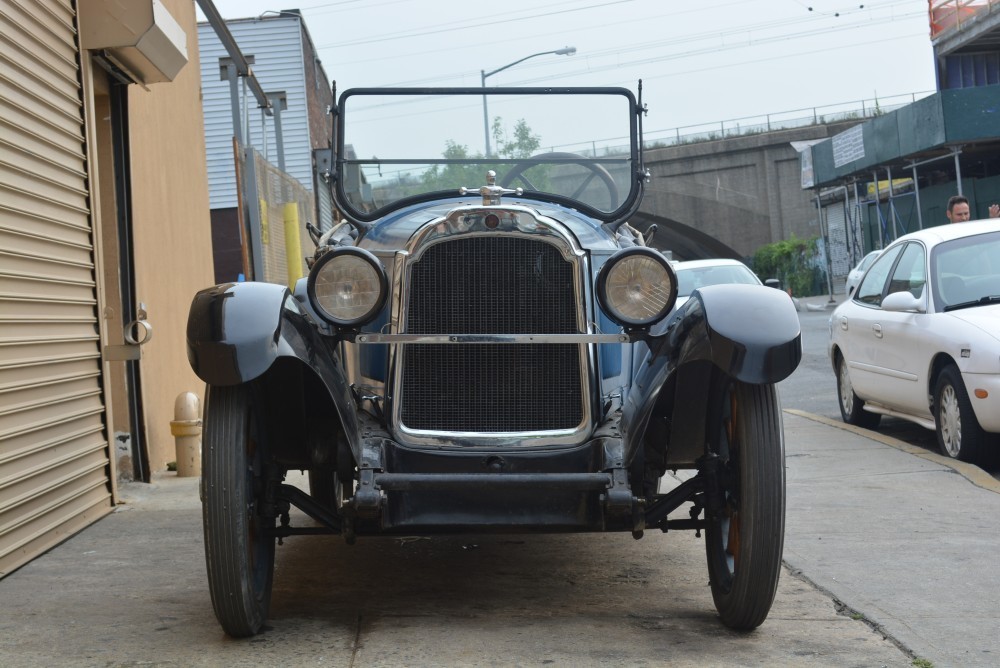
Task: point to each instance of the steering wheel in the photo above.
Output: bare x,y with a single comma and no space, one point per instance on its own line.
517,174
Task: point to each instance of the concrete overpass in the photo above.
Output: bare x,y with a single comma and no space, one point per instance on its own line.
728,197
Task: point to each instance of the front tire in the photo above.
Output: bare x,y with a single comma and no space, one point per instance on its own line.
744,540
959,435
851,407
239,545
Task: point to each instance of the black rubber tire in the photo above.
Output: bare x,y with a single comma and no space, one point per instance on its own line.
744,543
239,550
959,435
851,407
518,170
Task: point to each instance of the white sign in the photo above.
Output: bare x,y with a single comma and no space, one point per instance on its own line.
848,146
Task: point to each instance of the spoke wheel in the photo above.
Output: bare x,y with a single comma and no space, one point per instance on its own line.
851,407
239,546
744,541
959,435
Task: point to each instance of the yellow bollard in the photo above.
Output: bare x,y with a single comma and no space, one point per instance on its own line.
293,243
186,430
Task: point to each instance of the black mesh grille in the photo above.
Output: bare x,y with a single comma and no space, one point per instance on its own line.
491,285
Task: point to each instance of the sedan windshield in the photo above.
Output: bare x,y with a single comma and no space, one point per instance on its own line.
966,271
689,280
571,146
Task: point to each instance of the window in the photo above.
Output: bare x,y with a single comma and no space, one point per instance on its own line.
871,289
910,273
965,269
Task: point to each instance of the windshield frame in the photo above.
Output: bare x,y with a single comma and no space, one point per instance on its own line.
341,162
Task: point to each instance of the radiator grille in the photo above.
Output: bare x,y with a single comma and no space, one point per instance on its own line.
491,285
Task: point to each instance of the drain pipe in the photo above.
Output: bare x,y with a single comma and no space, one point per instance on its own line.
186,430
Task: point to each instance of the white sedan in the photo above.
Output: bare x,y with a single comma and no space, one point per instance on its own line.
920,338
854,277
695,274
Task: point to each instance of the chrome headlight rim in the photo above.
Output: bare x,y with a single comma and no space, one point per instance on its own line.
623,256
334,255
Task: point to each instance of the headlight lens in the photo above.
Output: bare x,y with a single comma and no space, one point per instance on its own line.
348,286
637,287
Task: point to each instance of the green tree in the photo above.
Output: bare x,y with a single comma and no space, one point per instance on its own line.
793,262
521,143
453,176
516,144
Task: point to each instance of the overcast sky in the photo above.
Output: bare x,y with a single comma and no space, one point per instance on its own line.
700,62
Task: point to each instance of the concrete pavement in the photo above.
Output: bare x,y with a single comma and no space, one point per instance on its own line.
902,536
899,544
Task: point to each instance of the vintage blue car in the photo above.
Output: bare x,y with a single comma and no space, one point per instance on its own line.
483,345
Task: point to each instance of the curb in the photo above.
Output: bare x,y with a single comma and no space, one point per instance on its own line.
970,472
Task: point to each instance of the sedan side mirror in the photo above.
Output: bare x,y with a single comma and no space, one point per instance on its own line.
904,302
773,283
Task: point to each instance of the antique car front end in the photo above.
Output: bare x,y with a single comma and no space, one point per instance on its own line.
483,345
491,369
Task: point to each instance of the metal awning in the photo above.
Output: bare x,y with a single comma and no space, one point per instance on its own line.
963,124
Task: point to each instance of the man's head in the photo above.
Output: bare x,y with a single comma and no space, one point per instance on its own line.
958,209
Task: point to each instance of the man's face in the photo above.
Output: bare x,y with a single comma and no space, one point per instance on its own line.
959,213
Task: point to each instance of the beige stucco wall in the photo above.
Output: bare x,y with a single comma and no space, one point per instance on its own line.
172,233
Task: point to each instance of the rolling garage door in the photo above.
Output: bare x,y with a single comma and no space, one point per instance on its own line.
836,230
54,457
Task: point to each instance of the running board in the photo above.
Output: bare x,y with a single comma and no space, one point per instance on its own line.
881,410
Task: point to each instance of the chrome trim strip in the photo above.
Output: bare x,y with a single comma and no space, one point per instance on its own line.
492,338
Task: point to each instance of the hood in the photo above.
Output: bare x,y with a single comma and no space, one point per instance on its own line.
986,318
395,230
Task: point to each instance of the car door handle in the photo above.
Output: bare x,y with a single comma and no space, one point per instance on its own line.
877,329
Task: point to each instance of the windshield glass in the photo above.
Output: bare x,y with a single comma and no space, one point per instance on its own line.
867,262
689,280
965,270
573,146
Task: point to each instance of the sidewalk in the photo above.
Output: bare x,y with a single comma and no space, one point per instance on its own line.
900,535
895,534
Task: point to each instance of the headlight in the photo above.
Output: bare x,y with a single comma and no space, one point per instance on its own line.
637,287
347,286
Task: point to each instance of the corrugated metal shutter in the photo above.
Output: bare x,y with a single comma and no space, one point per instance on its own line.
54,457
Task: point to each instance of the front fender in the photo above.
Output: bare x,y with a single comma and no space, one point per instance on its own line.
236,331
749,333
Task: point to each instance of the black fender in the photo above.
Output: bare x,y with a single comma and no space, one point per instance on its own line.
237,331
746,332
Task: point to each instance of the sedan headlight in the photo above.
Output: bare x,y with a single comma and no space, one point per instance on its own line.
347,286
637,287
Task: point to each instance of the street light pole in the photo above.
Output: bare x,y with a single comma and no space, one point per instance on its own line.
565,51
